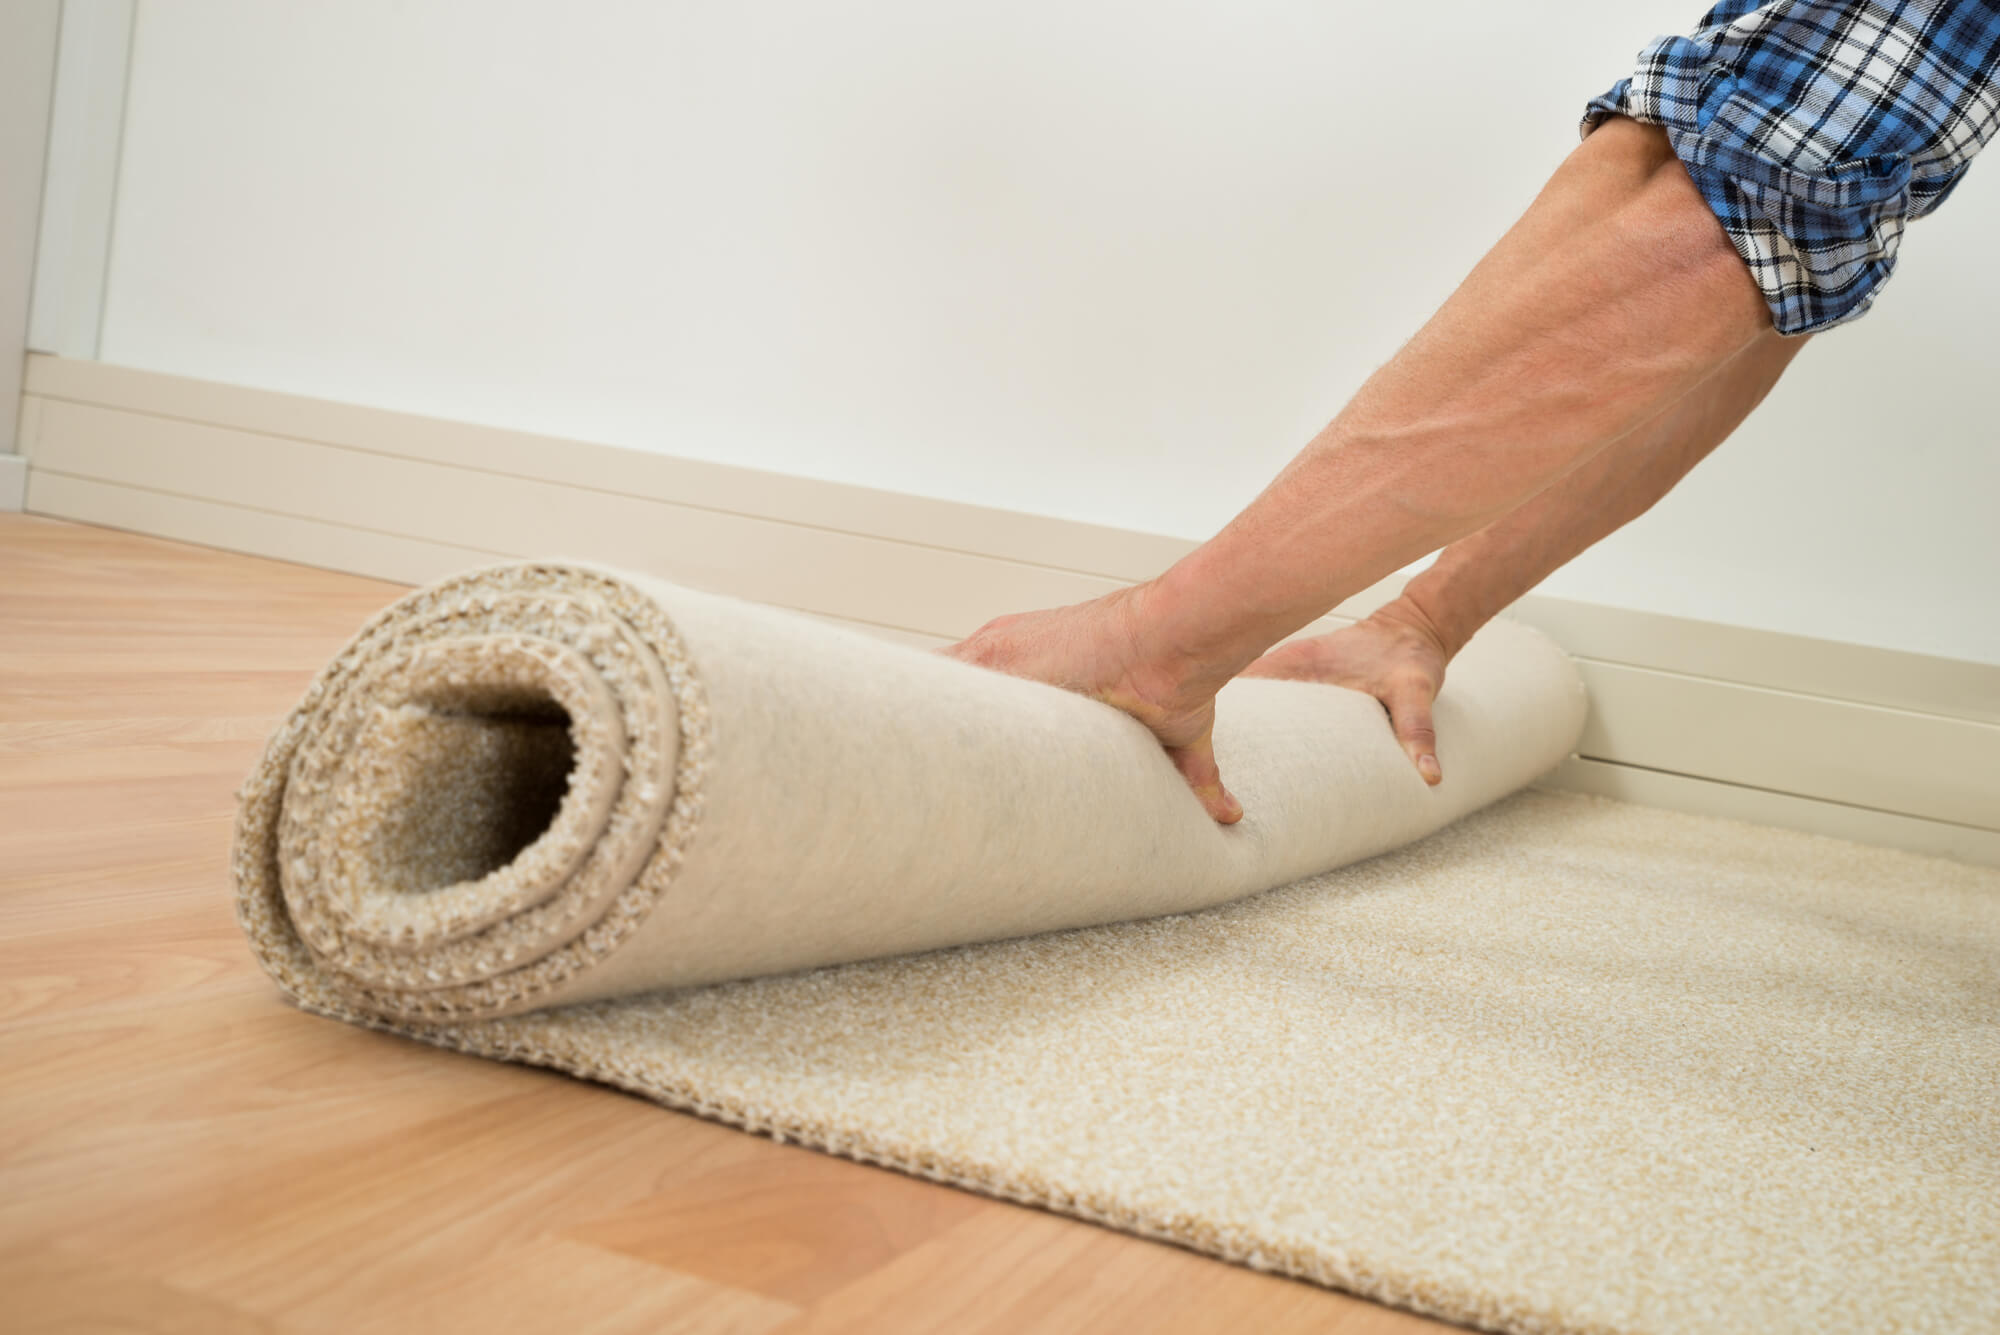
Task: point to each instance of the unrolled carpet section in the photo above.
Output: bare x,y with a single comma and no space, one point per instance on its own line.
1566,1065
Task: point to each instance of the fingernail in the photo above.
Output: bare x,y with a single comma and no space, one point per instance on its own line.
1428,767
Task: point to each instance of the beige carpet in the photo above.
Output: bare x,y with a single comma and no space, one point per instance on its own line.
1565,1065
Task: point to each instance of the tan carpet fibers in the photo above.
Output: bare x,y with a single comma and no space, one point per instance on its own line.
1569,1065
1562,1065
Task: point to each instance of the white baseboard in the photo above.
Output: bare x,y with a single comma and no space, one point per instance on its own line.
1886,747
1707,797
13,481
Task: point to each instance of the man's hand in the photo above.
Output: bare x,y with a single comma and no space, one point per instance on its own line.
1396,655
1102,649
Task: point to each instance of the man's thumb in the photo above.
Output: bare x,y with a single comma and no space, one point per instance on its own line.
1196,762
1410,716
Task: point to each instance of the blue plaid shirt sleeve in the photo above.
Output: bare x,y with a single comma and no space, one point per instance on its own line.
1816,129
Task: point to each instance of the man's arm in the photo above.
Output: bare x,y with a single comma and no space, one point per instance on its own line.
1474,578
1612,297
1399,653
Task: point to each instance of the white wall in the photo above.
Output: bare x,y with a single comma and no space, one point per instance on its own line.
1100,259
85,132
27,69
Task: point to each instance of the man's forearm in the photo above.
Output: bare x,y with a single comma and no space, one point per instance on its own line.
1477,576
1613,296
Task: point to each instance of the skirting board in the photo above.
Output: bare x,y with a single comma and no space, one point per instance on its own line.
1871,744
13,481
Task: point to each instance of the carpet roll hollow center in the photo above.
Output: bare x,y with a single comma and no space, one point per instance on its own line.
472,784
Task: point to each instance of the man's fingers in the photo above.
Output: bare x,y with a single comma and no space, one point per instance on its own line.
1409,709
1196,762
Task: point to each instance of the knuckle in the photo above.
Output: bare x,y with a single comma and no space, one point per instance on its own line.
1409,679
980,650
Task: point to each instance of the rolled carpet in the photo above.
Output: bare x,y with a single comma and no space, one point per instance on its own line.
537,785
1568,1065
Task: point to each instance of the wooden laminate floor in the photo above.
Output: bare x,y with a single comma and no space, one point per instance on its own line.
181,1151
